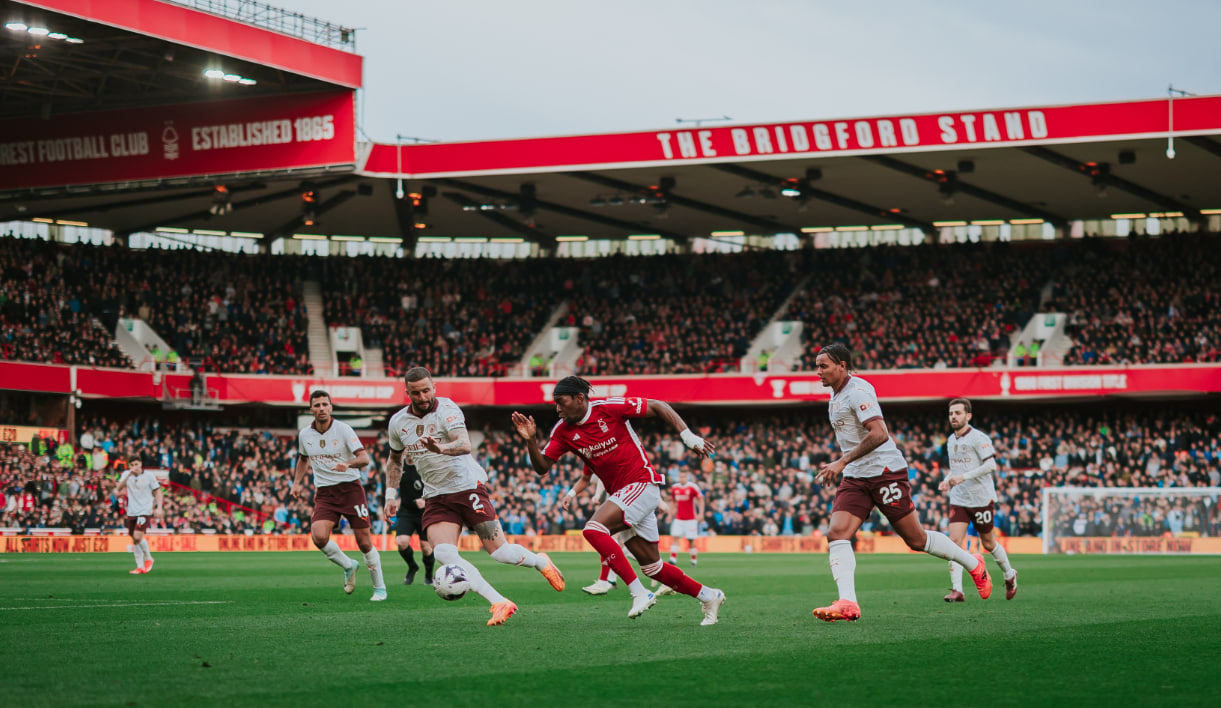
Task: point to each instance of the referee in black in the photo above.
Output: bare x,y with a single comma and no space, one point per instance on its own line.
410,521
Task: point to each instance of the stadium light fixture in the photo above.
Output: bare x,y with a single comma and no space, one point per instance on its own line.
245,234
434,239
644,237
508,240
816,229
62,222
571,238
74,40
1019,222
16,26
886,227
214,74
728,233
172,230
852,228
210,232
791,189
338,237
39,31
941,224
247,82
987,222
232,78
309,237
1210,211
57,35
385,239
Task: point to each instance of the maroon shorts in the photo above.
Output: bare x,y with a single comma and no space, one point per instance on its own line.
344,500
890,493
981,516
137,523
468,508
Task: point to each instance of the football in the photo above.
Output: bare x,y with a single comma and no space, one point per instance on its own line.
450,582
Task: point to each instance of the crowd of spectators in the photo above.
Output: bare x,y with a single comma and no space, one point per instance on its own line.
1143,302
49,298
1130,301
677,314
221,312
457,317
760,483
922,308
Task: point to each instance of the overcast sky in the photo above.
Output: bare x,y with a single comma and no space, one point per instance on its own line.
476,69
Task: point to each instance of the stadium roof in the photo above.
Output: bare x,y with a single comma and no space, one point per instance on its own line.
1056,164
69,56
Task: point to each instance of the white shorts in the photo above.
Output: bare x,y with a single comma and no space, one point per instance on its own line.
639,504
689,529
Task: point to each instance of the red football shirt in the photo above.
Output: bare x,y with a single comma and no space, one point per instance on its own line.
684,500
604,439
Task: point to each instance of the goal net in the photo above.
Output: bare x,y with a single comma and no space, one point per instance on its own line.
1131,520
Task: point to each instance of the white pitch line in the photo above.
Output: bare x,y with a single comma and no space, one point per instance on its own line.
131,604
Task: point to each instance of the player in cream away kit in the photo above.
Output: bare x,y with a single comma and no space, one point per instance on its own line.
875,475
972,495
336,455
144,501
431,432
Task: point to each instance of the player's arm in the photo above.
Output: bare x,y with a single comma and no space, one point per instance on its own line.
159,499
663,410
298,488
394,475
527,430
699,506
581,485
361,459
460,445
988,467
120,487
876,435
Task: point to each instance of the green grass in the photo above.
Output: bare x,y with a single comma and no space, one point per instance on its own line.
77,630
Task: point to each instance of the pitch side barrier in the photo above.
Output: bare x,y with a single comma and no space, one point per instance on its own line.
168,543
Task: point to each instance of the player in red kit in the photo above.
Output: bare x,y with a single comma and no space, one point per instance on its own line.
600,433
688,510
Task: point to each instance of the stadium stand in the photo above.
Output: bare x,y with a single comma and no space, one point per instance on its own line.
931,307
761,481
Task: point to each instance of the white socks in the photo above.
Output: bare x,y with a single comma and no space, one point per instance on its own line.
843,568
332,551
706,594
137,549
373,561
148,555
940,545
956,576
447,554
1002,559
515,554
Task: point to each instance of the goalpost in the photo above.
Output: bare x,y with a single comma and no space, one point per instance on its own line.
1131,520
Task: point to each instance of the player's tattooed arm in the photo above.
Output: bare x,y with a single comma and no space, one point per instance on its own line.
394,469
488,530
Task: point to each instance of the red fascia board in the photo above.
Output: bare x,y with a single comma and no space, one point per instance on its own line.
190,27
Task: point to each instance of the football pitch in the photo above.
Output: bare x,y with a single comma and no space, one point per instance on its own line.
275,629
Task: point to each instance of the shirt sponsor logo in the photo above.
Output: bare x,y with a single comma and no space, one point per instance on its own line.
599,449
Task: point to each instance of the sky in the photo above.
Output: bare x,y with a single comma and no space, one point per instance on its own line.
485,69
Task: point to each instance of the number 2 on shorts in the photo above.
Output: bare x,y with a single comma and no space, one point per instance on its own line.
475,503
